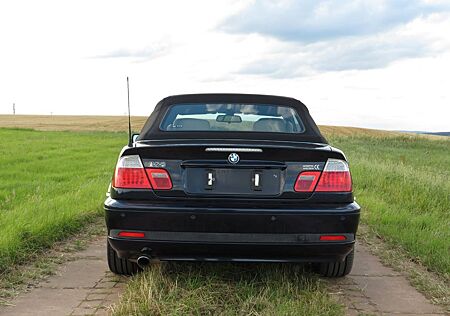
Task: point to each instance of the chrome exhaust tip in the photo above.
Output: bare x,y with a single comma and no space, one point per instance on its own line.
143,261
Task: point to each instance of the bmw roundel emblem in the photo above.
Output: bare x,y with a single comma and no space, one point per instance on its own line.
233,158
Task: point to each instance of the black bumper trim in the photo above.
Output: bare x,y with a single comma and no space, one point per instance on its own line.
199,237
213,208
242,252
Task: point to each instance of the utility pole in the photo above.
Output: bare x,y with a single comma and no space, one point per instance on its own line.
14,109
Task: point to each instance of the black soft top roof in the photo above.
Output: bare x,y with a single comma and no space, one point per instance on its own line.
151,130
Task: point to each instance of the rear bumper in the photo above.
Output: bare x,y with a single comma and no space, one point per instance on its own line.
231,234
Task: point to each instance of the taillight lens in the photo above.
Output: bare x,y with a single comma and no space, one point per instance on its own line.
159,179
130,174
306,181
335,177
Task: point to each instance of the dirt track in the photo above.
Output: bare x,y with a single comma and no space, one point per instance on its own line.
84,287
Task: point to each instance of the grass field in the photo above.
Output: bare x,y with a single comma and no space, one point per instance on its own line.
53,183
403,185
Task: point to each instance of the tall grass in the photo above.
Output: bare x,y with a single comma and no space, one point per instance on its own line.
51,184
403,185
226,289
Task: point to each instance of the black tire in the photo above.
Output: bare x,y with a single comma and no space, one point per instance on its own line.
118,265
337,269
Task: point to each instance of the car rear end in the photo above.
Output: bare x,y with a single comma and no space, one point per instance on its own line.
264,192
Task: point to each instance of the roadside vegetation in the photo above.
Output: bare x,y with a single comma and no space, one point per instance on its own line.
403,186
226,289
52,184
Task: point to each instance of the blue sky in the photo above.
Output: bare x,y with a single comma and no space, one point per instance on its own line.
378,64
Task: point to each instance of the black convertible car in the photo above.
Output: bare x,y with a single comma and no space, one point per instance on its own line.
231,177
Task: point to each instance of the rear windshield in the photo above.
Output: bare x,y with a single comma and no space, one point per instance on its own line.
232,117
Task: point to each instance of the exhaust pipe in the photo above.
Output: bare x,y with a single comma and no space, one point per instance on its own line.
143,261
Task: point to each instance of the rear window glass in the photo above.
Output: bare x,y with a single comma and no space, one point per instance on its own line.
226,117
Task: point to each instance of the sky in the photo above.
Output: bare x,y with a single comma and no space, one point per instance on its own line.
367,63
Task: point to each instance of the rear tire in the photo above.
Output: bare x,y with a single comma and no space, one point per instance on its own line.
118,265
337,269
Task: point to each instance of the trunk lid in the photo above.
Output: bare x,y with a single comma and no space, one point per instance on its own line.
241,169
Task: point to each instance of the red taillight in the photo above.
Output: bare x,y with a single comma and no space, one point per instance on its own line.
130,174
335,177
306,181
131,234
131,178
335,181
332,237
159,179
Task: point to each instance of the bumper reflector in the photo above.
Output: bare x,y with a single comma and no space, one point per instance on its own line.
131,234
332,237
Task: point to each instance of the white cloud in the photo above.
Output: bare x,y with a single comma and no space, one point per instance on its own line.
311,21
292,60
155,50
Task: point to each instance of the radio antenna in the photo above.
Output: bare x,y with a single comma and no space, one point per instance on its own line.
130,137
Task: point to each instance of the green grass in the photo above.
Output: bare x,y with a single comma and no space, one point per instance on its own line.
226,289
51,185
403,186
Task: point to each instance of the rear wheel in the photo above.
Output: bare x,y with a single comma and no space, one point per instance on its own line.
337,269
118,265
